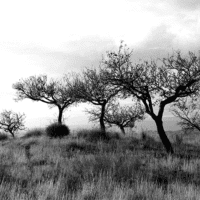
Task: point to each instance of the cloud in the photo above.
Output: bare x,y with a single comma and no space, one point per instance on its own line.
158,44
165,39
190,5
185,5
71,56
159,38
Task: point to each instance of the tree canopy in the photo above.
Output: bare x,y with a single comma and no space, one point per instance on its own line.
91,87
188,112
121,116
55,93
12,122
154,83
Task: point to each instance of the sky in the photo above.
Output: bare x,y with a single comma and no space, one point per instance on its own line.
56,37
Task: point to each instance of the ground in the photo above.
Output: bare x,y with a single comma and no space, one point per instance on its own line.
86,167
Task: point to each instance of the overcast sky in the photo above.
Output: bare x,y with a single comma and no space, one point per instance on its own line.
55,37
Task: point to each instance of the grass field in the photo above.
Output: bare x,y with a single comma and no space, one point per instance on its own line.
85,167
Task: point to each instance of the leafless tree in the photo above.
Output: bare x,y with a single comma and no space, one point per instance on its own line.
154,83
121,116
91,87
188,112
11,122
54,93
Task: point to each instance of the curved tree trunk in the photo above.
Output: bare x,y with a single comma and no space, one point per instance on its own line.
163,136
101,120
102,125
122,129
12,134
60,114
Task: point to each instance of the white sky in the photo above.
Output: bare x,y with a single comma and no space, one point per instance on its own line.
55,37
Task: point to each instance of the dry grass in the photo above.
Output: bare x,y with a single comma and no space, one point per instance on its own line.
80,168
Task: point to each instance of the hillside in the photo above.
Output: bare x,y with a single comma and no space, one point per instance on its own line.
85,167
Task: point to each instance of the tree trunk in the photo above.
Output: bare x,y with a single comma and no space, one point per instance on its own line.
101,120
163,136
122,129
60,114
102,125
12,133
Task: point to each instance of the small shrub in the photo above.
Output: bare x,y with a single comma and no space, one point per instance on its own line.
83,133
83,147
3,137
57,130
34,133
91,135
95,135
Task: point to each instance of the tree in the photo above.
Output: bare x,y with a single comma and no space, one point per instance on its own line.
91,87
154,83
54,93
121,116
11,122
188,112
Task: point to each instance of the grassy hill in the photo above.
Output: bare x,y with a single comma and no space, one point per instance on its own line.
86,167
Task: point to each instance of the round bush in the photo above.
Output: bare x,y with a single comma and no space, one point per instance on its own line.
3,137
57,130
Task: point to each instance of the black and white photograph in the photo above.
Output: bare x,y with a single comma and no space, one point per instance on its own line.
100,100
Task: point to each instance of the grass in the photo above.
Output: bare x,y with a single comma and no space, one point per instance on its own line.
81,168
36,132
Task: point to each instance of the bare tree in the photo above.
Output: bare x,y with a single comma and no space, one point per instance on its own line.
154,83
54,93
121,116
11,122
188,112
91,87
